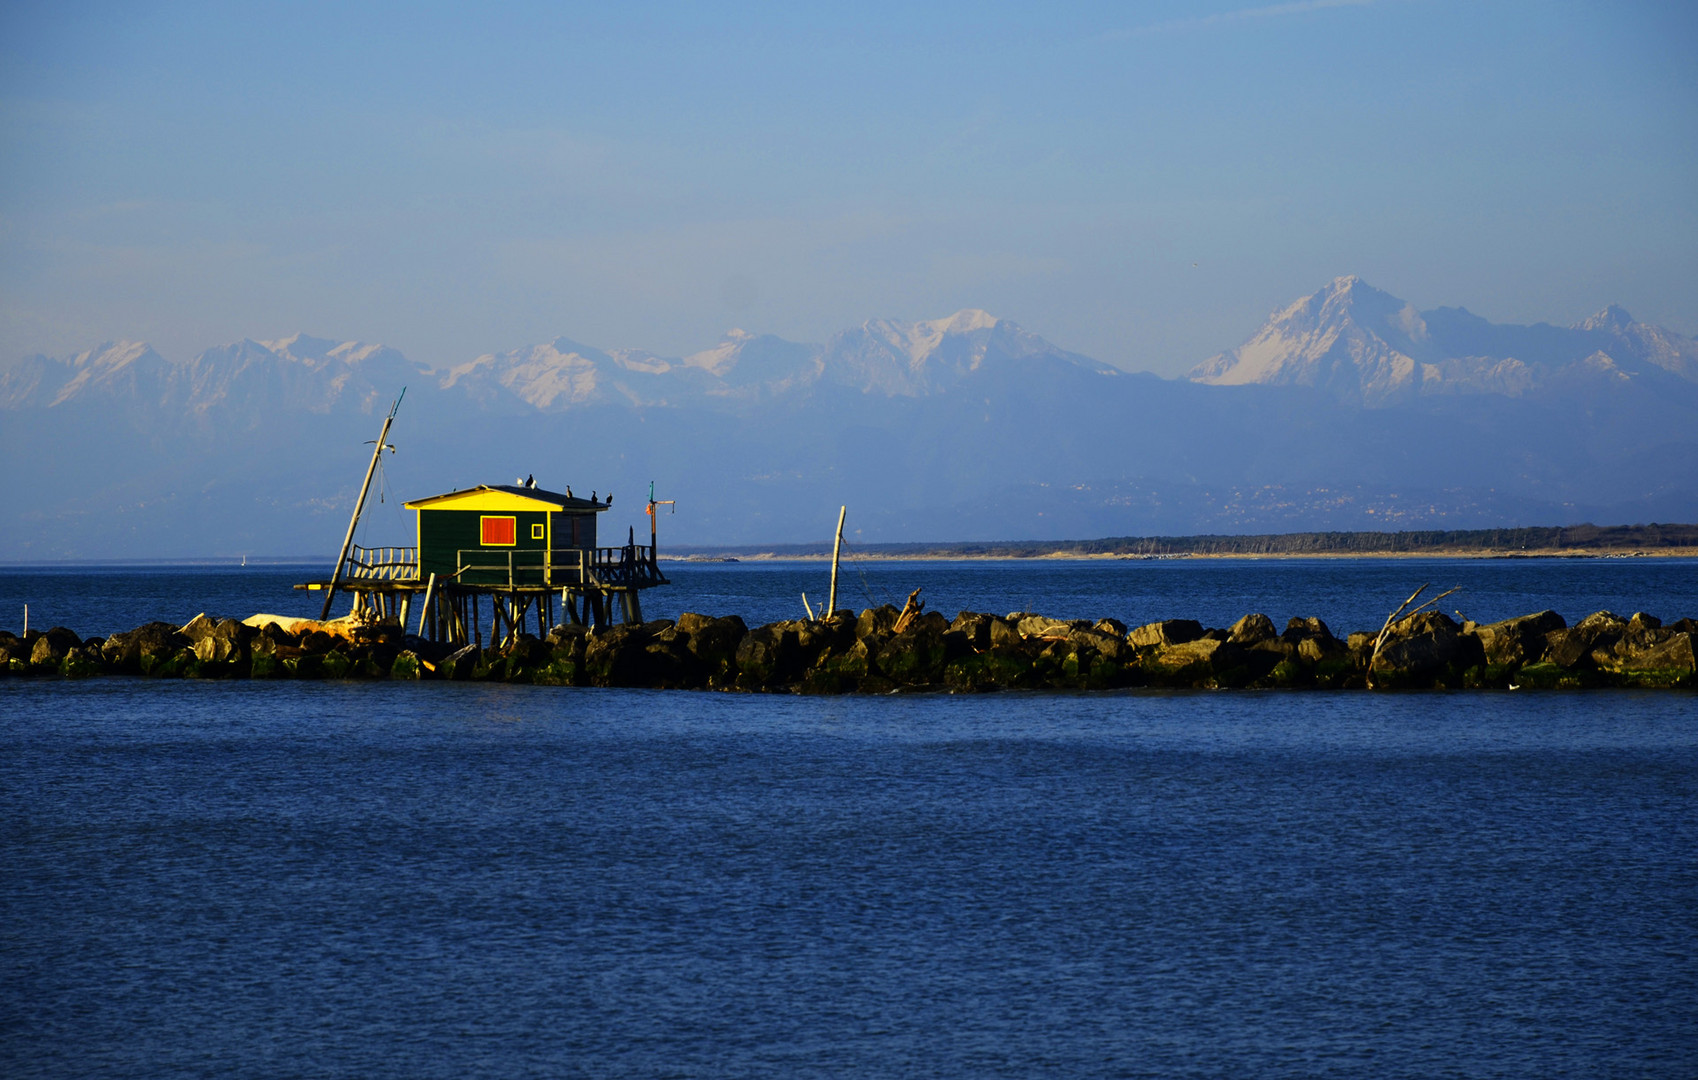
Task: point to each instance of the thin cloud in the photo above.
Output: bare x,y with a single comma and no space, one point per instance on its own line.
1271,11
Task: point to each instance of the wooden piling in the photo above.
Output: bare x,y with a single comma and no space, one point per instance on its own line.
836,550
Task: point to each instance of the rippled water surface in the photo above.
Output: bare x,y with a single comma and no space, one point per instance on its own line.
456,880
453,880
1350,594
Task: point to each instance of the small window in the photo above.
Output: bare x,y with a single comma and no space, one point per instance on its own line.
497,531
536,531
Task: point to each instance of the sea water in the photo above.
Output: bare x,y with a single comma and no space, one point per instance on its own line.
1350,594
466,880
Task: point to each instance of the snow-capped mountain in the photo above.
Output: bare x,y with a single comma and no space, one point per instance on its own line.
313,375
128,370
1365,346
880,358
918,359
297,373
1349,410
559,375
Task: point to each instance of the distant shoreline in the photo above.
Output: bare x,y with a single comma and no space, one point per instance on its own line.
1576,541
1565,542
1066,556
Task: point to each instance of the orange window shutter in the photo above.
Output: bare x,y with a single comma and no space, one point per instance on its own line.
498,531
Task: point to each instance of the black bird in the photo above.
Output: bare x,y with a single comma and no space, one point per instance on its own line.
568,491
530,480
592,495
610,498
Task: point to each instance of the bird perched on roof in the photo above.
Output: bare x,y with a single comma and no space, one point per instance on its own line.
592,495
610,498
530,480
569,491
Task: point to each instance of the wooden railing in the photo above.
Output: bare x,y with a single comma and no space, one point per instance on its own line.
383,563
631,566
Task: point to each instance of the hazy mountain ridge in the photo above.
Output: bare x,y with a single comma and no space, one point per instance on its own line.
881,357
1368,347
297,372
965,427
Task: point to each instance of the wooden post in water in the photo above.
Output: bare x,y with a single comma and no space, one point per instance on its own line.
836,550
424,612
353,522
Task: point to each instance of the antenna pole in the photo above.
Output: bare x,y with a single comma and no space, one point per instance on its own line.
359,505
653,505
836,550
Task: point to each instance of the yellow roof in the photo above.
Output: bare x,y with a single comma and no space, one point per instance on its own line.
504,497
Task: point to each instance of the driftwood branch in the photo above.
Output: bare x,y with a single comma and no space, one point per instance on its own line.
910,611
1404,611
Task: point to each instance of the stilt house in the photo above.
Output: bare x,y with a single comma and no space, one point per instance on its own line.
504,535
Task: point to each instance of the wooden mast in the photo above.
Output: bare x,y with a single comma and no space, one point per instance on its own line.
836,549
359,505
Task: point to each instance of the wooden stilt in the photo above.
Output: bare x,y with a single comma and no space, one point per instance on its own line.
424,611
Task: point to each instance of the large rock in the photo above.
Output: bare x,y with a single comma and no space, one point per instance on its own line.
51,648
1423,650
846,670
1110,646
219,641
713,642
974,627
1042,626
1003,634
670,664
14,654
618,656
1649,654
1587,643
145,649
812,639
879,620
269,638
1321,658
461,663
1205,661
1518,641
1252,630
1166,632
199,626
1312,640
524,656
917,656
768,656
1091,659
1675,656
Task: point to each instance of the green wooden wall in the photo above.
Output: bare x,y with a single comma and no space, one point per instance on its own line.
444,533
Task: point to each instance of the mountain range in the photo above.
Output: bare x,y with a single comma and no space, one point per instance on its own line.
1368,347
1348,409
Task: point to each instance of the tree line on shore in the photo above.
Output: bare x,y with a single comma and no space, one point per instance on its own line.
1623,539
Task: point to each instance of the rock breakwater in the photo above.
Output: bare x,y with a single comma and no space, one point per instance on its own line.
881,651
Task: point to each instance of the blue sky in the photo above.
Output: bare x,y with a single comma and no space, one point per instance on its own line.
1141,183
